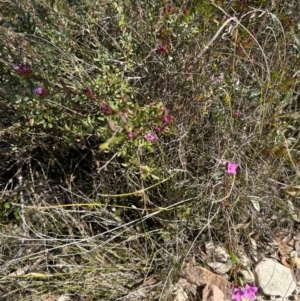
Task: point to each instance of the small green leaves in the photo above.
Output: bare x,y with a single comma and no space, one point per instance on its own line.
110,142
112,106
6,205
104,145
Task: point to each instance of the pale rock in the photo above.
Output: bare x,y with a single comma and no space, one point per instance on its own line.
212,293
245,260
64,298
221,255
216,253
219,267
183,284
207,292
274,279
248,276
181,295
210,249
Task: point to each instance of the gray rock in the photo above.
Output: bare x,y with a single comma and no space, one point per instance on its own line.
221,255
248,276
216,253
219,267
274,279
210,249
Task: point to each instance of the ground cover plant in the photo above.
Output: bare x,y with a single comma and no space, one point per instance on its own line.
132,132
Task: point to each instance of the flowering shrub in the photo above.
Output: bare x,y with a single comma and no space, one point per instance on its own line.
90,103
127,117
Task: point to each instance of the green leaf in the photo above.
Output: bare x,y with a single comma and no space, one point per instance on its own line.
234,259
17,215
112,106
154,177
104,145
116,139
6,205
112,140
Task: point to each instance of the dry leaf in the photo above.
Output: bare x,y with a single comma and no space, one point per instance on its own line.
51,298
293,212
285,262
292,193
256,205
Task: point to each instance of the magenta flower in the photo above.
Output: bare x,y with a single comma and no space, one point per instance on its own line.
105,109
40,91
150,137
250,291
22,69
88,92
131,135
159,129
167,119
162,49
238,294
232,168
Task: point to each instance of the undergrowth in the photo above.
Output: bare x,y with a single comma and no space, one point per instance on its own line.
118,122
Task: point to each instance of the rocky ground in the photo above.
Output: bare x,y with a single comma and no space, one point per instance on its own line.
276,275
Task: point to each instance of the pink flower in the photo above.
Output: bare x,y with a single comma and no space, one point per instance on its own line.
88,92
159,129
250,291
106,110
131,135
167,119
150,137
238,114
238,294
22,69
40,91
232,168
162,49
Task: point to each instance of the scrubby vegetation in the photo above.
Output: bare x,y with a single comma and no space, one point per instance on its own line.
120,121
